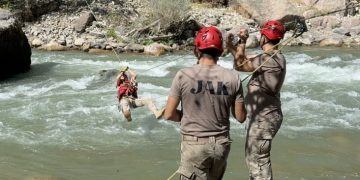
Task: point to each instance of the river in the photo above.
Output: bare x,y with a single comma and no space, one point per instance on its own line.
60,120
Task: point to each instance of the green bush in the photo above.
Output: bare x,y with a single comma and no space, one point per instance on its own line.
7,5
111,33
12,4
168,11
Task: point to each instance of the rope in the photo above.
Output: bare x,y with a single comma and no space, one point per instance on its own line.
169,178
172,60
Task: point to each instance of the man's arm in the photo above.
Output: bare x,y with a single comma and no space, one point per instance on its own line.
229,44
238,111
241,62
171,113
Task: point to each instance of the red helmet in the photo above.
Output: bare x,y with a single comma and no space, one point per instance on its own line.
124,77
273,30
209,38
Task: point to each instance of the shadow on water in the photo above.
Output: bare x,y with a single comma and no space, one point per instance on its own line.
40,69
36,71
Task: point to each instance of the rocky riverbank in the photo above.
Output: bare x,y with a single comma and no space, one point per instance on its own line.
120,26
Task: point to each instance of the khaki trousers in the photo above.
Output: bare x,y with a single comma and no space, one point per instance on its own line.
204,158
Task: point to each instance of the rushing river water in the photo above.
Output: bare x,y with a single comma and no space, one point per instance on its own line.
60,120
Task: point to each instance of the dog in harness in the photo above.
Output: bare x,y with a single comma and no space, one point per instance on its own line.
128,97
126,88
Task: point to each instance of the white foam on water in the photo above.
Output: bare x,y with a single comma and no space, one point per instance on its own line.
288,95
352,94
157,93
154,69
77,61
86,62
315,73
138,131
58,134
293,57
149,86
343,122
305,102
41,88
226,63
330,60
304,112
301,68
170,124
16,135
10,92
77,84
356,61
48,58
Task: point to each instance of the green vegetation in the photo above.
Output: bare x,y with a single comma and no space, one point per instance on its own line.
111,33
6,5
167,11
147,42
12,4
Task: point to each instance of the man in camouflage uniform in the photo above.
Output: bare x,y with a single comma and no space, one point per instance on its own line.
262,102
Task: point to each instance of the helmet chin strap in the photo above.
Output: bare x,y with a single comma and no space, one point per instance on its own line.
263,41
197,53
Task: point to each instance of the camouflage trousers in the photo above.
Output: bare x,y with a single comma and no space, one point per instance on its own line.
204,158
260,133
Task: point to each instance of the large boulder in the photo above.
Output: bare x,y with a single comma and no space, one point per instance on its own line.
85,19
263,10
331,41
156,49
329,22
325,5
53,46
15,51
